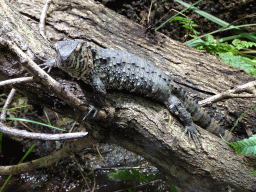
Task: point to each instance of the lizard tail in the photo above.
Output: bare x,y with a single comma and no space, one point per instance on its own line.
202,118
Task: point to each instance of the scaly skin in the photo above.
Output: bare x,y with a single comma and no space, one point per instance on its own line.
111,69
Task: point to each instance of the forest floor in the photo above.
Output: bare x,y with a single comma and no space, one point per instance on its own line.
235,12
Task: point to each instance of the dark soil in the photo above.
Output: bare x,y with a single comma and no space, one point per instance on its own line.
235,12
61,176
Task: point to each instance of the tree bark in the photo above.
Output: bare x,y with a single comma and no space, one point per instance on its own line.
140,125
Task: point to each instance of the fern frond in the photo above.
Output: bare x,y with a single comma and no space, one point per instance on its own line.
243,44
246,146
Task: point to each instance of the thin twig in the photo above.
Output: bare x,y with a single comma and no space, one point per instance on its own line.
53,85
96,146
150,12
79,167
94,184
16,80
42,18
6,105
26,126
233,93
47,117
49,82
40,136
73,147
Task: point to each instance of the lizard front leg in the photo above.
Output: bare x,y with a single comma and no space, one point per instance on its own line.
99,97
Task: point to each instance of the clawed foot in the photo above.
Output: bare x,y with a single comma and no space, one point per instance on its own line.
193,133
48,65
91,109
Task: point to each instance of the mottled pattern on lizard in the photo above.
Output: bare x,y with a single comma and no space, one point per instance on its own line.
112,69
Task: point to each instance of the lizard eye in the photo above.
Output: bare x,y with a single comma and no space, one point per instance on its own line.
78,47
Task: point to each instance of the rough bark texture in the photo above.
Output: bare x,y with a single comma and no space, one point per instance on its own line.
140,125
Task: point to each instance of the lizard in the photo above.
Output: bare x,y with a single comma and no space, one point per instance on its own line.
105,69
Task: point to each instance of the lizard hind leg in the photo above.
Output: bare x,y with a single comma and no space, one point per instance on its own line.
176,107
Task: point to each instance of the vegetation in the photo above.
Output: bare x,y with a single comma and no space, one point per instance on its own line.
246,146
22,159
235,50
138,178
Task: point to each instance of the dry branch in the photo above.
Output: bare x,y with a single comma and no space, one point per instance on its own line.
6,105
17,80
42,18
233,93
40,136
41,76
65,152
46,80
140,125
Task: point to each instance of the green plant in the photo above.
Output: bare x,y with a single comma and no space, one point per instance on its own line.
243,44
245,147
188,24
36,122
225,25
242,115
137,177
215,47
190,6
22,159
173,188
31,148
131,175
230,53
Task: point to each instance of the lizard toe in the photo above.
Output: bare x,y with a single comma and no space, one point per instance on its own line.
91,109
193,133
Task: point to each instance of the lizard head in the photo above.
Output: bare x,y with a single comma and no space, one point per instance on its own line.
74,57
66,48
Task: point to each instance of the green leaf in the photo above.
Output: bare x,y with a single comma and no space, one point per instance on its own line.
206,15
209,38
242,116
131,175
246,146
243,44
177,18
123,175
36,122
187,27
240,62
177,15
22,159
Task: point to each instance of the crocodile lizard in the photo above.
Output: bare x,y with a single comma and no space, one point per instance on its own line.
112,69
